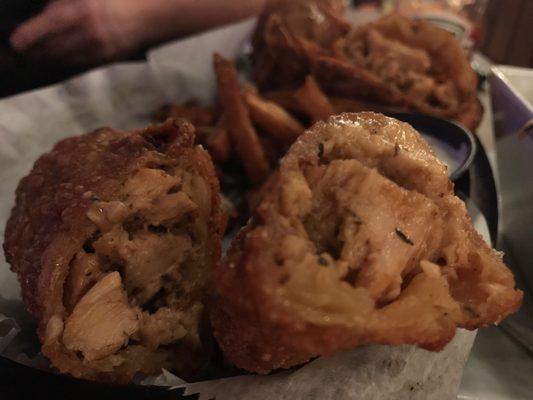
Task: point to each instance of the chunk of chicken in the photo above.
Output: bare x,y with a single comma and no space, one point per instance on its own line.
166,326
162,327
157,194
145,238
391,59
85,271
144,259
146,251
102,321
375,240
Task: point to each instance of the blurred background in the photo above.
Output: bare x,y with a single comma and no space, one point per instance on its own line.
42,42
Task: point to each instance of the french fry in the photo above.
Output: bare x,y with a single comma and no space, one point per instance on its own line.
311,99
217,141
285,99
272,118
273,149
238,123
195,114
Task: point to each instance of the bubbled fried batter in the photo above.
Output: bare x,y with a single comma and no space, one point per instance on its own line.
358,240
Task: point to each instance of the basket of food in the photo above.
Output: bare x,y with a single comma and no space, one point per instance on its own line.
253,225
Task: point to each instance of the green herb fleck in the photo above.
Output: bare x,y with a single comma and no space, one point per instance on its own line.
396,149
404,237
320,150
322,261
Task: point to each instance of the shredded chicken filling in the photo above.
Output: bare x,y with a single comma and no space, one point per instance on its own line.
371,242
406,68
137,281
374,237
363,256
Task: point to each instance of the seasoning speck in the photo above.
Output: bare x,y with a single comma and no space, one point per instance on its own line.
404,237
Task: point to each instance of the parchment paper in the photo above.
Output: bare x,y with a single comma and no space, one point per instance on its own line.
124,96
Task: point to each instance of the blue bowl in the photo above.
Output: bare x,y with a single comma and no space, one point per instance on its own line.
453,144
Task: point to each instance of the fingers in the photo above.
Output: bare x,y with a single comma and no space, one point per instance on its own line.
72,47
57,17
61,46
89,57
67,31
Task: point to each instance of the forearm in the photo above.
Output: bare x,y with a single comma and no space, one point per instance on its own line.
92,31
167,19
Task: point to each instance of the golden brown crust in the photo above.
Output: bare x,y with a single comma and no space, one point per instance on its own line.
49,222
313,271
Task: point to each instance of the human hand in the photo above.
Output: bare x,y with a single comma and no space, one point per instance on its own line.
82,32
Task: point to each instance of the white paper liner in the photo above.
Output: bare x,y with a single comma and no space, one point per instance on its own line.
370,372
124,96
184,69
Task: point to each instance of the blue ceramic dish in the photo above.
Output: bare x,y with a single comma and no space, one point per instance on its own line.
453,144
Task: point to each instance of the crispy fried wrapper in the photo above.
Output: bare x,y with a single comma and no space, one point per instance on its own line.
113,237
358,240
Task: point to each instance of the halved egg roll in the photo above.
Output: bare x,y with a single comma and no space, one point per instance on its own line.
114,236
359,239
